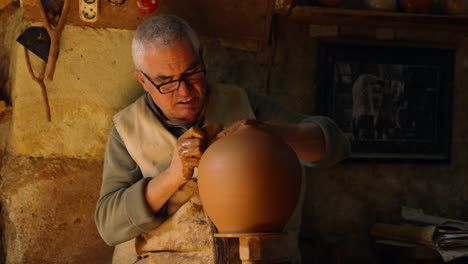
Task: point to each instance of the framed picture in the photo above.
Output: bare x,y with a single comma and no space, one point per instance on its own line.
392,100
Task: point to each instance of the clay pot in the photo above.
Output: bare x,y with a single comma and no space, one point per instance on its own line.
416,6
331,3
382,5
453,6
249,182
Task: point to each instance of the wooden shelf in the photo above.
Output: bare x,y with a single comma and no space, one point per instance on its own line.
369,18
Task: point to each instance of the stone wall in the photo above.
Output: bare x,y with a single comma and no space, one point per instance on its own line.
50,172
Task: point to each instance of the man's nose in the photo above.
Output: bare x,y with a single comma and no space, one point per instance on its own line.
184,89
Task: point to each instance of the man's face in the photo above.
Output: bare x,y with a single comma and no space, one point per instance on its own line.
170,63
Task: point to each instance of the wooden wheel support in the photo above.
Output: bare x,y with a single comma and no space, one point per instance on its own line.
250,245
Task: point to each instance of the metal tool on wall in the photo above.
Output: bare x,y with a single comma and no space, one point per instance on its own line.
44,42
36,40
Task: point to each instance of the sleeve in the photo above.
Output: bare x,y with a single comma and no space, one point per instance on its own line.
338,146
267,109
122,212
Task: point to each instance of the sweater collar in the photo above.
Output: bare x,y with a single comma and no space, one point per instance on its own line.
175,128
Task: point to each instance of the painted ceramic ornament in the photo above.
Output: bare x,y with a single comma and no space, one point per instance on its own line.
146,6
249,182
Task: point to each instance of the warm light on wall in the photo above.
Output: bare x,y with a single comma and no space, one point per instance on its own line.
4,3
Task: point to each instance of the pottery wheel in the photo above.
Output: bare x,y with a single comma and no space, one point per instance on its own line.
250,245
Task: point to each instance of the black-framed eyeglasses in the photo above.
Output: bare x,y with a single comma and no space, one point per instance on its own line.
169,87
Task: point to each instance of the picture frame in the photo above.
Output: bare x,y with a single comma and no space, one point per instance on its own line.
392,100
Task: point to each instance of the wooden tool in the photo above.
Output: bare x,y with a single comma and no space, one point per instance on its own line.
54,34
40,80
48,65
250,245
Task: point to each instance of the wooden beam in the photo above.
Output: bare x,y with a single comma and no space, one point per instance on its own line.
243,20
376,19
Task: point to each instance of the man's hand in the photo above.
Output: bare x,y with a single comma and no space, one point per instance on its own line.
187,153
186,156
306,139
242,124
189,149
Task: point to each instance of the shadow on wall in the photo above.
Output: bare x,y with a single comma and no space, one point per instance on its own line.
10,20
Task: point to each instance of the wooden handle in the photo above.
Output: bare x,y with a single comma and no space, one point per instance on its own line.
54,34
40,80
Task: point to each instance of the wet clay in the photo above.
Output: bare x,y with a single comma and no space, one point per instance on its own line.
249,181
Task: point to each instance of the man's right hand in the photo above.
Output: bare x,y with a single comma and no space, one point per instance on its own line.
189,149
186,156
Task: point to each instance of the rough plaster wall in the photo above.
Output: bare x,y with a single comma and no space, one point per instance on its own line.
48,209
50,174
93,80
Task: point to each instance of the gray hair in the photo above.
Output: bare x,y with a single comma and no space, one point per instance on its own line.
160,31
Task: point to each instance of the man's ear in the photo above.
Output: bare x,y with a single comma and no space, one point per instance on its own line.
140,78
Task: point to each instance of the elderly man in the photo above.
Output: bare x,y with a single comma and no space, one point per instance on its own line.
149,205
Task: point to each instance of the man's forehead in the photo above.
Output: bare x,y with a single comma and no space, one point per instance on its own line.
180,48
170,60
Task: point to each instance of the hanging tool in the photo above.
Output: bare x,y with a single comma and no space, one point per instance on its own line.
44,42
36,40
40,80
54,34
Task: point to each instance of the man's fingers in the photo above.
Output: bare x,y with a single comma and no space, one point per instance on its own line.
191,142
211,130
233,128
194,132
191,163
225,132
191,152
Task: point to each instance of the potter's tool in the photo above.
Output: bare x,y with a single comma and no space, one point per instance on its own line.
250,245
